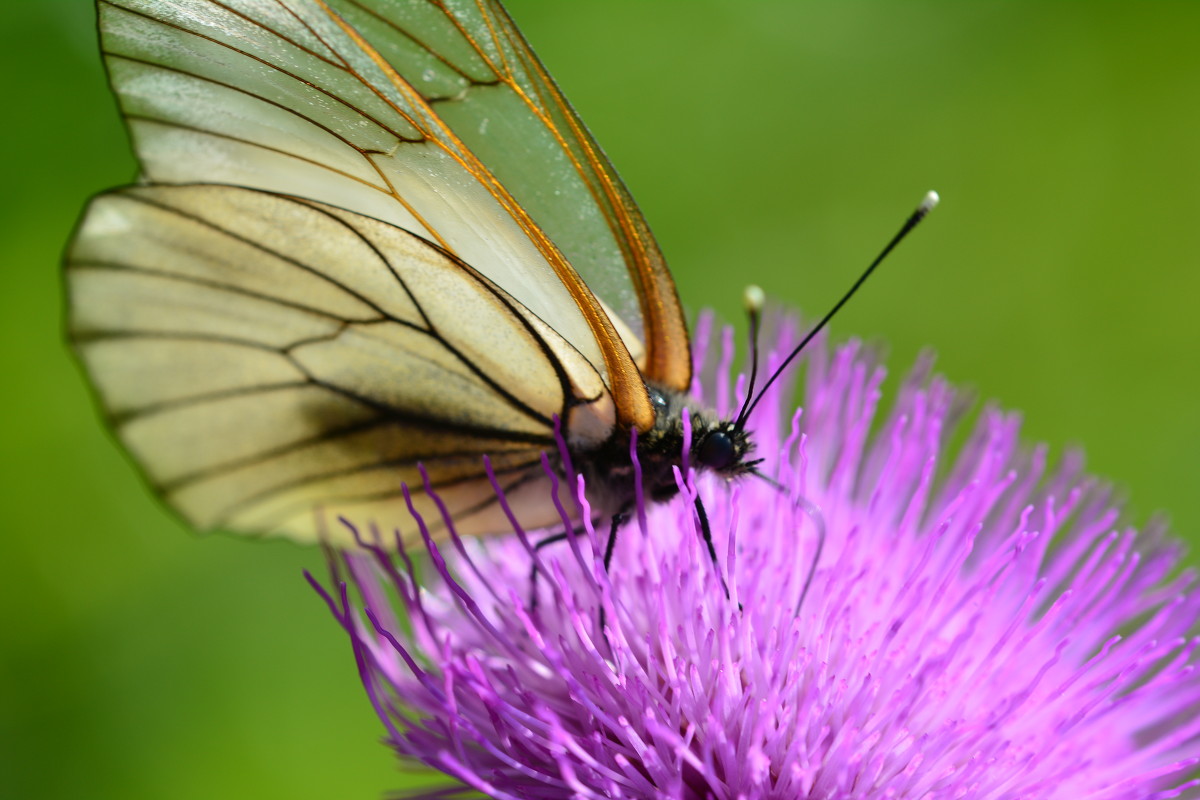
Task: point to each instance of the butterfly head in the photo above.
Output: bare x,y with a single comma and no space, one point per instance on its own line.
720,446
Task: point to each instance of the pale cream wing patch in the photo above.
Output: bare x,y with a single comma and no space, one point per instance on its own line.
271,361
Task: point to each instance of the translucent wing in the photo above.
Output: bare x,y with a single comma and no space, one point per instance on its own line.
262,356
476,69
290,97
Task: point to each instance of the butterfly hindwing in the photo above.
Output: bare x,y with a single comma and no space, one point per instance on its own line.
262,355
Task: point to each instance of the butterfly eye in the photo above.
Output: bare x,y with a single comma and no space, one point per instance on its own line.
657,399
716,451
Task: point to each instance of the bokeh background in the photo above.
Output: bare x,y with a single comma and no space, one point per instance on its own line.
777,142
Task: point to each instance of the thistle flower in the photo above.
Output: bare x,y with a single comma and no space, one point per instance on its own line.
977,624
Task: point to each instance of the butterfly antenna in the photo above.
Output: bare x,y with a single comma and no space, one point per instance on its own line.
753,299
927,205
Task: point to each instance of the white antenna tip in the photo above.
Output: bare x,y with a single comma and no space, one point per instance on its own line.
753,298
931,200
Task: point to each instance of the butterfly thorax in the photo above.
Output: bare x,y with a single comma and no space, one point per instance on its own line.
716,445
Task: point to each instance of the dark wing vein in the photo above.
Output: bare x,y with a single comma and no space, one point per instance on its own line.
391,23
365,154
297,263
88,337
527,473
194,280
268,101
258,498
330,436
383,315
270,65
123,418
166,123
432,329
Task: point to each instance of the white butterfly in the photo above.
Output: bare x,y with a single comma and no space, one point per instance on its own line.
370,234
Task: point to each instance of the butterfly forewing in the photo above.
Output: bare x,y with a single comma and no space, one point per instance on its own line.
280,95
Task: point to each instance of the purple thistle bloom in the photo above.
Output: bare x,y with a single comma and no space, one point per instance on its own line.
979,625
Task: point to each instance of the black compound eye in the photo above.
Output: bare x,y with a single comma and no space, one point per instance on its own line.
716,451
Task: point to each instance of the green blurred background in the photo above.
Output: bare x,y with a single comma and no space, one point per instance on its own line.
775,142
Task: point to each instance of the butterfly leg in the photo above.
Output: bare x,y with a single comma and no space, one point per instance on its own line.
618,519
610,548
533,569
706,535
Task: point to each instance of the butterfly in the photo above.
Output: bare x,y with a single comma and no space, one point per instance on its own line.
370,236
